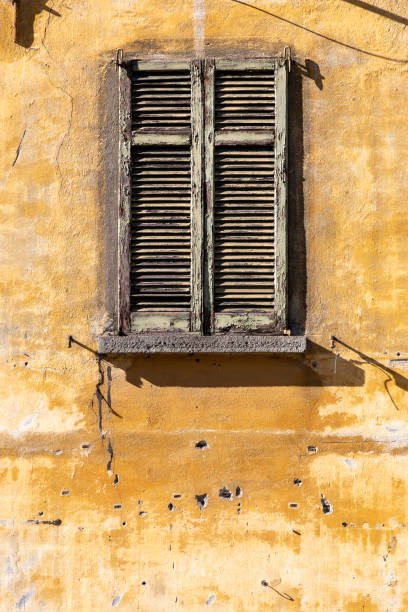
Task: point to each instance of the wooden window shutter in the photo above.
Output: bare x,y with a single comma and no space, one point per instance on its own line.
245,177
162,209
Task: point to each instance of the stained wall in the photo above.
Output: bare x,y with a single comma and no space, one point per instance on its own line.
99,464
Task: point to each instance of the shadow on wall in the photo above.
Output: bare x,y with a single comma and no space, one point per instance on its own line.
390,375
312,71
26,10
296,227
319,368
378,11
297,281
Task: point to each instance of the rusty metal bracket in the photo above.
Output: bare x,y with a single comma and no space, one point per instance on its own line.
287,56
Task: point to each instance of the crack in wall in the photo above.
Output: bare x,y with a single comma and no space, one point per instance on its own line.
45,30
102,400
68,128
17,155
18,150
65,91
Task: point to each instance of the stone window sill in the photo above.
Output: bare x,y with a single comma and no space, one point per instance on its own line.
138,344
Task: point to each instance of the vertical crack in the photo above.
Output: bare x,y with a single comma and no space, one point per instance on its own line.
63,90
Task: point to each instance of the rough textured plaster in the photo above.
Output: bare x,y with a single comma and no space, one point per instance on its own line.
183,343
120,434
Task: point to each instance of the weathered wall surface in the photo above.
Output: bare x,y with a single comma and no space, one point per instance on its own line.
85,521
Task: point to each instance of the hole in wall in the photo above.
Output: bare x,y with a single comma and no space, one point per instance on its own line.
225,493
201,444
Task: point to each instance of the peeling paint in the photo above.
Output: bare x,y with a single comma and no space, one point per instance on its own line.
210,600
116,601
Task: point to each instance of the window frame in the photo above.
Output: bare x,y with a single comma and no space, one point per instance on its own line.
204,326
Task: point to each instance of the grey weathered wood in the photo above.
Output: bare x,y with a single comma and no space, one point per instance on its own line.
247,322
160,65
243,137
124,198
257,64
180,343
158,322
209,75
197,125
161,138
268,311
203,140
146,318
281,195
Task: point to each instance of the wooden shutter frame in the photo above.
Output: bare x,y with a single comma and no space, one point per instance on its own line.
181,321
274,322
124,200
203,139
281,189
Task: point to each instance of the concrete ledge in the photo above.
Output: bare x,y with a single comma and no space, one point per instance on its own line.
190,343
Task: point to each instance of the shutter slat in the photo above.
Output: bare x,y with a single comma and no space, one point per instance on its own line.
245,202
161,194
161,229
161,101
244,100
244,228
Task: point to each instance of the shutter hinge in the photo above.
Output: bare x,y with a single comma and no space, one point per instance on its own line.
119,58
287,57
14,3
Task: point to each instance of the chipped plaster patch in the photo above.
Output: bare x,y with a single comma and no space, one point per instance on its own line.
202,500
210,600
116,601
21,603
20,417
380,428
399,364
327,508
29,422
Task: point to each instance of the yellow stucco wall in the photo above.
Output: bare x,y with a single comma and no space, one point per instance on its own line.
116,544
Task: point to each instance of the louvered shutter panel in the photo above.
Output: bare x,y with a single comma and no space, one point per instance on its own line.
245,139
165,195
